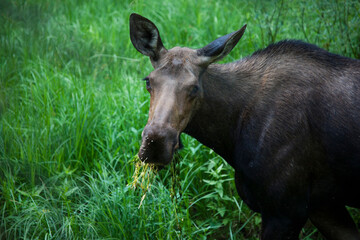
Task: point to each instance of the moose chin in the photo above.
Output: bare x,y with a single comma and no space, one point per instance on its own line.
286,118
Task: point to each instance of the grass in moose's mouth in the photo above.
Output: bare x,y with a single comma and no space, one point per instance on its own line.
145,173
143,177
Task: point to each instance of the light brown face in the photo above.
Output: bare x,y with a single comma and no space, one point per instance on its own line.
175,93
175,87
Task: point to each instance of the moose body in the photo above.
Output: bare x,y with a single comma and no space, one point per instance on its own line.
286,118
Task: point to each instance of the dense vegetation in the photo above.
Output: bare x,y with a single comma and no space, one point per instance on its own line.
72,108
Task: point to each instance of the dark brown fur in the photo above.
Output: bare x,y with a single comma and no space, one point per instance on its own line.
286,119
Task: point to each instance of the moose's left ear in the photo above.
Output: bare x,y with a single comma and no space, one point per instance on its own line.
220,47
145,37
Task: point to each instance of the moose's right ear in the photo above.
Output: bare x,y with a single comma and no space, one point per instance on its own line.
145,37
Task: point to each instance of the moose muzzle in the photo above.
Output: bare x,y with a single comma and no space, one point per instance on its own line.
158,144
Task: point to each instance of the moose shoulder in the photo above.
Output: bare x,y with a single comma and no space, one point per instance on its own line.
286,118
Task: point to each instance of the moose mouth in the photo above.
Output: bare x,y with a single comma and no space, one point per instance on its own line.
159,146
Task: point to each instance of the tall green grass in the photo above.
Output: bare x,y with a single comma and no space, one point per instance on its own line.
72,108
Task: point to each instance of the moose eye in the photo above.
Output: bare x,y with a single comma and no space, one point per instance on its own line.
194,91
147,80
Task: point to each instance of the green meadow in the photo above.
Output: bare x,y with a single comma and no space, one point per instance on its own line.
73,106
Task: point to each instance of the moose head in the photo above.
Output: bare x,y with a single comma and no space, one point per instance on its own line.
175,86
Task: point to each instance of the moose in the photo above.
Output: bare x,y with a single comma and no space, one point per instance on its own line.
286,118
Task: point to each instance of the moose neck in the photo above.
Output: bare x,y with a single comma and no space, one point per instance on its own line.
227,90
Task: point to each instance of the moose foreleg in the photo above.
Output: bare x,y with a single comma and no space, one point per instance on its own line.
281,228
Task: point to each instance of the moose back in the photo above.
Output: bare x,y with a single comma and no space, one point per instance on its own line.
286,118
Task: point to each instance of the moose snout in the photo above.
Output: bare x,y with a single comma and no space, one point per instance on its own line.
158,144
